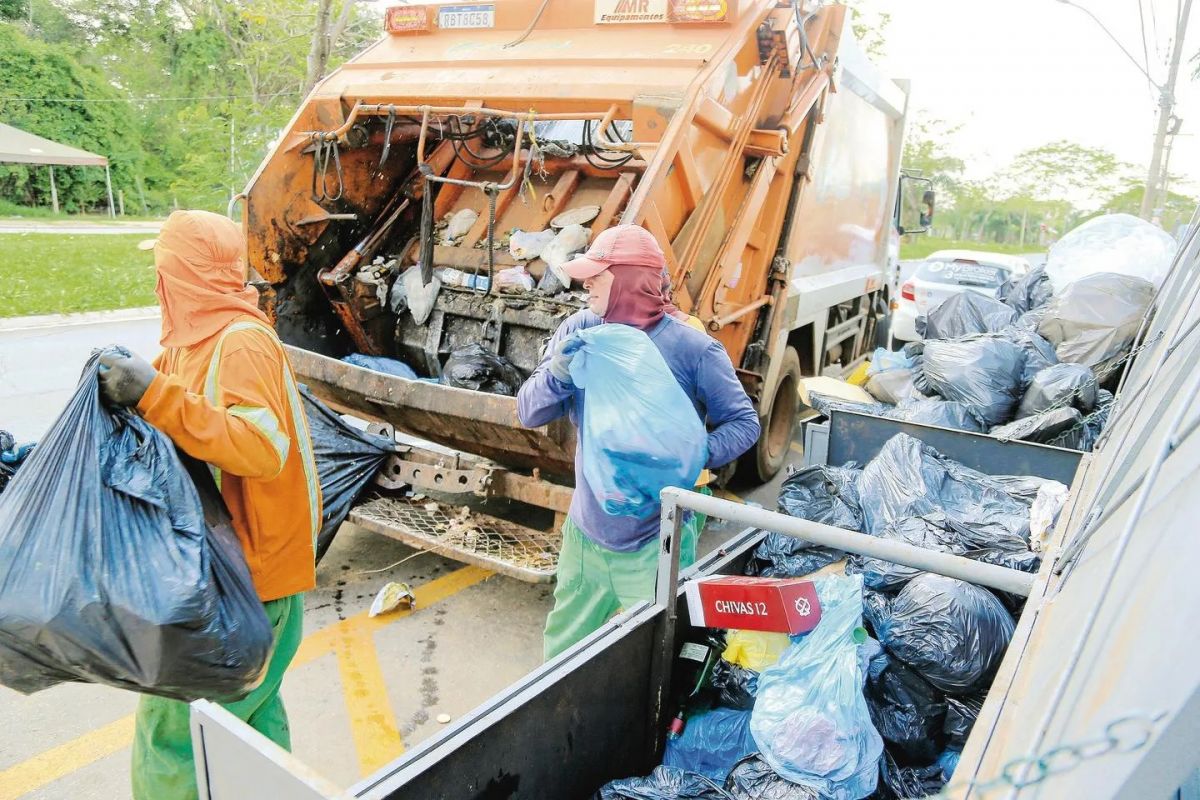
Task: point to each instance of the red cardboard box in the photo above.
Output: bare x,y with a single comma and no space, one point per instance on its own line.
782,605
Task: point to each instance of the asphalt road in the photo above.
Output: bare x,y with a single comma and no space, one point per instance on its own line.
360,691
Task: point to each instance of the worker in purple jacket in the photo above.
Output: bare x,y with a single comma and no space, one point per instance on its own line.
609,562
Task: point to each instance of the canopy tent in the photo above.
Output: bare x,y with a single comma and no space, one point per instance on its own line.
20,147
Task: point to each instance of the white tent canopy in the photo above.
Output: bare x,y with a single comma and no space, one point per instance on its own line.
20,147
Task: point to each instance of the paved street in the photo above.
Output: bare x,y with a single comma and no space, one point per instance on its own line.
360,691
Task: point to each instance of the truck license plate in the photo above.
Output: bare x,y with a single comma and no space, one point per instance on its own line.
474,16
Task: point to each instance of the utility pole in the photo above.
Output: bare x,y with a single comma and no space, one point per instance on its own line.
1166,103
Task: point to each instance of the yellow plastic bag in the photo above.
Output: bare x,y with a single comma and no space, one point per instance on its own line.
754,650
859,376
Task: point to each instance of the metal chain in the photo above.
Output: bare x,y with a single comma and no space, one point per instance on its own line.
1125,734
1069,399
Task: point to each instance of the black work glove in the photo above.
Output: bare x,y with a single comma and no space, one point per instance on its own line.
124,376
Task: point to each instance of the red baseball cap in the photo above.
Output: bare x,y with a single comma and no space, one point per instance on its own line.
632,245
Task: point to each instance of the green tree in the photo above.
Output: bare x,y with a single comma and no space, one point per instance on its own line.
87,113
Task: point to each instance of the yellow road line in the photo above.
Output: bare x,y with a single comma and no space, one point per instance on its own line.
49,766
796,447
372,721
36,772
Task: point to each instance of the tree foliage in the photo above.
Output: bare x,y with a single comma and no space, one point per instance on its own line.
201,87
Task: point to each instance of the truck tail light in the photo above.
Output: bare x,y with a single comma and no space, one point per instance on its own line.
906,291
408,19
698,11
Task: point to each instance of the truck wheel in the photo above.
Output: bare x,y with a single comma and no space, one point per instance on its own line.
771,450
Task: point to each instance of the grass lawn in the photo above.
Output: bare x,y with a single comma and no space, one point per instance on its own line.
922,245
45,273
10,210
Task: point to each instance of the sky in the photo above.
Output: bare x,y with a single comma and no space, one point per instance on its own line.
1020,73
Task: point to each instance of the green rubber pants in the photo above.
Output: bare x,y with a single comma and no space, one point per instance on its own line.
163,768
594,583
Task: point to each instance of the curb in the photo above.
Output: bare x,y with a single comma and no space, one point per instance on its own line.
84,318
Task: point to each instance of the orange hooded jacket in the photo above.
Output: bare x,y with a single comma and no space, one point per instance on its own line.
225,394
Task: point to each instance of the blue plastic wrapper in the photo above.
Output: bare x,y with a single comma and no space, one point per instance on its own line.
811,721
883,360
712,743
641,432
137,579
388,366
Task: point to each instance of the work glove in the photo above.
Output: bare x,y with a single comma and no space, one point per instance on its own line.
560,361
124,376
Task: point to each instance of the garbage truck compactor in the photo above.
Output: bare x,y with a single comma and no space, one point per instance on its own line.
397,214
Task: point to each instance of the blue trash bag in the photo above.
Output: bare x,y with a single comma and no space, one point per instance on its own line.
811,721
640,432
712,743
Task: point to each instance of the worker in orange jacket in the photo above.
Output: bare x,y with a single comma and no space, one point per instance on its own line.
223,391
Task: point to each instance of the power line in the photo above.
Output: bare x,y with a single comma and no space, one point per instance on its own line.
1146,50
142,99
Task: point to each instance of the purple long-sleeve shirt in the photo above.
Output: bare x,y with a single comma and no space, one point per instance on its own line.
703,370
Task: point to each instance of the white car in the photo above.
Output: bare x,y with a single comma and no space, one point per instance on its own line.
948,272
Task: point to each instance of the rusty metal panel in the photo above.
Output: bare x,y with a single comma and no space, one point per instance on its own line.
474,422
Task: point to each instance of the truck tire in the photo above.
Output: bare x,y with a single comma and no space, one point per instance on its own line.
771,450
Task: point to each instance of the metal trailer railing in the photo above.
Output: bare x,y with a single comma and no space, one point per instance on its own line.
233,761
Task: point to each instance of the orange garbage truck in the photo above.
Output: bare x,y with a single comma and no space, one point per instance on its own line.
417,206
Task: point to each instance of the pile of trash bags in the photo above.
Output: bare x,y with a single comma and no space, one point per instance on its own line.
1031,367
476,368
879,699
138,580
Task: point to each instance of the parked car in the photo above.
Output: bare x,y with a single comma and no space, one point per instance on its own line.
949,272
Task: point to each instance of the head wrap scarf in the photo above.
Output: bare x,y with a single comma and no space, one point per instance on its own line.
199,257
636,297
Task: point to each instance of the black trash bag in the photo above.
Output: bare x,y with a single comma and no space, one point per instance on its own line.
910,479
753,779
476,368
781,556
893,386
964,314
943,413
952,632
982,371
824,494
821,493
877,606
908,712
138,580
1062,427
1039,353
12,456
1096,421
347,459
1032,290
1059,385
932,532
736,686
823,404
665,783
1093,320
908,783
961,713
